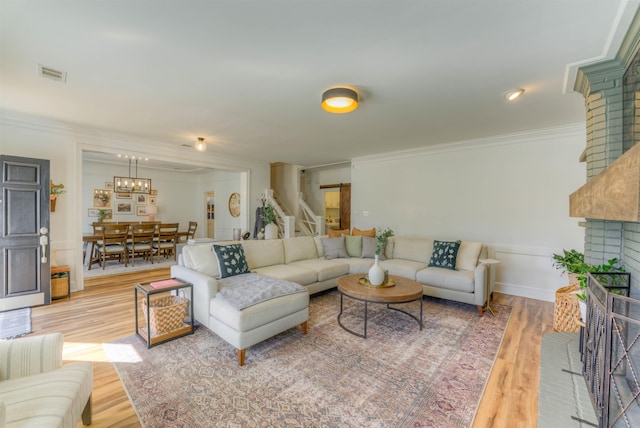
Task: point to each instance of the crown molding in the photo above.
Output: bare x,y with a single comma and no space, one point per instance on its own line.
112,142
624,25
575,130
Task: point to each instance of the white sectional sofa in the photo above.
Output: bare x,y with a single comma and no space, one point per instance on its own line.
301,260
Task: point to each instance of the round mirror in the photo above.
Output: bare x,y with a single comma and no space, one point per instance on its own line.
234,204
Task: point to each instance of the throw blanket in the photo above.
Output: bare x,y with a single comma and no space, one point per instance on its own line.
242,291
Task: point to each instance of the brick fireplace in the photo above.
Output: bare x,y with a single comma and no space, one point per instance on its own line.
612,101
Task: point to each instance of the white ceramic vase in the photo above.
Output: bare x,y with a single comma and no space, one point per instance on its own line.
376,273
271,231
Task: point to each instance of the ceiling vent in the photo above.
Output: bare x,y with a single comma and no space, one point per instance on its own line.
50,73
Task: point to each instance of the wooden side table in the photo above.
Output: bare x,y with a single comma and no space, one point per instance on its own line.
489,263
60,287
148,289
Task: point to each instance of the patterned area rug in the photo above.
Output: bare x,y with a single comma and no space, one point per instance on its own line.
15,323
398,377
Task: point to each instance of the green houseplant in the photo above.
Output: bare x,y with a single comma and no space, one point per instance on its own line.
269,217
268,214
572,262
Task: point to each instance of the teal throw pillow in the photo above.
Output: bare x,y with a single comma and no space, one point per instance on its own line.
231,260
444,254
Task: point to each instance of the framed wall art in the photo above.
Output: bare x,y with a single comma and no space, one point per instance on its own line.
124,208
141,210
101,198
123,195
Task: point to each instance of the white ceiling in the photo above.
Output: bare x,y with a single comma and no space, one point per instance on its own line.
249,75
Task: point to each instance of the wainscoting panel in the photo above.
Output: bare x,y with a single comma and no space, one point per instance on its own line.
527,272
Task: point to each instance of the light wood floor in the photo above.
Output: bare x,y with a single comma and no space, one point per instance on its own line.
104,312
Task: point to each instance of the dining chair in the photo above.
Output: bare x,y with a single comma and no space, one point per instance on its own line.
166,238
113,245
191,232
94,256
141,241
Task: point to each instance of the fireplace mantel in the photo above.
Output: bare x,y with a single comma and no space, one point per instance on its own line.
614,194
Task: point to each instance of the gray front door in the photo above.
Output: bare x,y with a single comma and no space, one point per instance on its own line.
24,233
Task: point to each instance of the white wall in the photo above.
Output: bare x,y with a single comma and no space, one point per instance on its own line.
178,198
63,144
510,192
224,183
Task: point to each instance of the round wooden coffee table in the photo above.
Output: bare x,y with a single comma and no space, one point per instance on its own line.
405,291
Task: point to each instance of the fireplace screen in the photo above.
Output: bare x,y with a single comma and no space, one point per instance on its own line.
611,350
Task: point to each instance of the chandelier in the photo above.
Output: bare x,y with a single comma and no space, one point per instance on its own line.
132,184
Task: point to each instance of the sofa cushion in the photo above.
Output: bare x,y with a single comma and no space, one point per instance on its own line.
201,258
456,280
51,399
353,245
293,273
357,265
415,249
444,254
318,242
369,246
263,252
468,255
326,269
300,248
335,233
260,314
231,260
334,248
370,232
405,268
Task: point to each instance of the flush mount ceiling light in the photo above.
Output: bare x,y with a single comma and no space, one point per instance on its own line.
514,94
340,100
201,146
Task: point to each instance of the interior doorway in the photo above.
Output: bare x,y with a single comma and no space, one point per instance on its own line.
210,214
337,205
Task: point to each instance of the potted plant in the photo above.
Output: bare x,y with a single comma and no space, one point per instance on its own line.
54,191
102,214
269,217
572,262
376,273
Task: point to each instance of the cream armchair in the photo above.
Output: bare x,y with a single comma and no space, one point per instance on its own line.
37,390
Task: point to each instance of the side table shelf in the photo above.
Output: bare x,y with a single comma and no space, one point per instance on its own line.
171,285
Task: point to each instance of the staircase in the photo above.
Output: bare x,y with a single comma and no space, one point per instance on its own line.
306,224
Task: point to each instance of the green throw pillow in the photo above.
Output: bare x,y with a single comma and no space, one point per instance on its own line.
353,244
231,260
444,254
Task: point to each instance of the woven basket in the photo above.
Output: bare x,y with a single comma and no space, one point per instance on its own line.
166,313
59,286
566,313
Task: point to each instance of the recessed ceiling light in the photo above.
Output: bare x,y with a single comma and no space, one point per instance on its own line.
513,94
